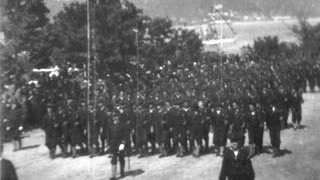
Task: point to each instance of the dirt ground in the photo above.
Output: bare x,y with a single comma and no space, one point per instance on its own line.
300,158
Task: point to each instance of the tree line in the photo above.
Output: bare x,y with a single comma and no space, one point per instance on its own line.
126,43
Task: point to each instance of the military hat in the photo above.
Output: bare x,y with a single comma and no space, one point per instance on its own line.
196,106
158,102
60,103
252,101
149,102
108,102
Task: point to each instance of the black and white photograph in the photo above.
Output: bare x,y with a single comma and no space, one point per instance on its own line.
159,89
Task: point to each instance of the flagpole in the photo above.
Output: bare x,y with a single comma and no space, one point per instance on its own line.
94,68
88,70
138,61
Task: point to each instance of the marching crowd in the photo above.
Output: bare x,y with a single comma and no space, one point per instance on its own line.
173,108
181,127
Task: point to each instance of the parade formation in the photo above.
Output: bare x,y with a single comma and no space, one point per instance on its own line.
175,117
161,94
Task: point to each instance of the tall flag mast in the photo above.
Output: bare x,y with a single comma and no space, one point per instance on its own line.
88,69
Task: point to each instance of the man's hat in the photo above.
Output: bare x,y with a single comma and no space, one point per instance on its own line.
234,138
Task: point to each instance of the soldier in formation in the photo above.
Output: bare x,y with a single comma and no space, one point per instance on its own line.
14,125
117,145
181,127
176,106
51,127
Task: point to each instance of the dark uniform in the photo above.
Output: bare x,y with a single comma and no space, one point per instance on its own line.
117,149
238,124
262,119
128,125
172,138
5,124
205,129
65,131
196,132
164,130
16,126
158,120
95,128
220,125
151,134
274,126
82,113
141,132
76,130
104,120
265,99
255,129
183,125
311,78
296,101
52,128
285,106
318,75
131,129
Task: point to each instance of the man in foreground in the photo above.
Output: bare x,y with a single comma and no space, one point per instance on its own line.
236,164
7,170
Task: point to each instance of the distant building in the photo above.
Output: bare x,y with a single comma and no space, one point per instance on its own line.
281,18
1,38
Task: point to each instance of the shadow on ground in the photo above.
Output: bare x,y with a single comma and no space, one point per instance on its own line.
29,147
283,152
269,149
134,173
303,127
290,126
